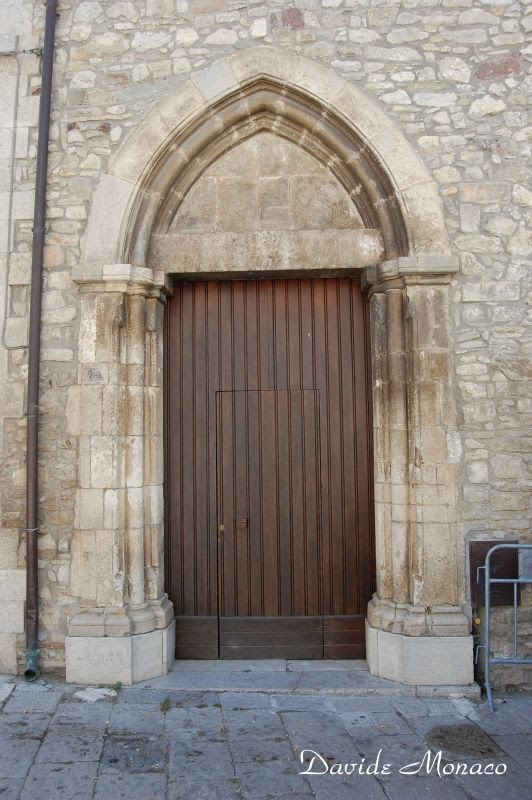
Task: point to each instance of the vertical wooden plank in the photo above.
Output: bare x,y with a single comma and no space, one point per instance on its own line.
212,323
240,369
226,500
225,342
280,353
201,500
270,503
241,531
285,489
348,445
255,482
307,335
311,502
297,504
188,431
266,336
334,446
322,384
293,333
251,332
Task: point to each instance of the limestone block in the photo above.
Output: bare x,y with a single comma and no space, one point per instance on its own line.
153,460
508,466
103,239
12,616
9,543
485,192
19,269
153,504
264,60
420,660
198,209
16,332
237,205
12,584
8,653
259,28
257,251
83,577
132,411
107,660
94,660
217,79
11,400
438,661
113,509
133,461
89,509
424,218
104,465
433,444
109,562
90,409
134,498
486,105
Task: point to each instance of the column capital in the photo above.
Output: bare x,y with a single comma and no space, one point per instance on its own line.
426,268
128,280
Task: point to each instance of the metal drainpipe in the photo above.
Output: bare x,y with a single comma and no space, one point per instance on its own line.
32,471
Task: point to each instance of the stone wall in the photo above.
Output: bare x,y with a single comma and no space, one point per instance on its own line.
450,73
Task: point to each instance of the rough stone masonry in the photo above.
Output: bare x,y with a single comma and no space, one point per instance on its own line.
451,74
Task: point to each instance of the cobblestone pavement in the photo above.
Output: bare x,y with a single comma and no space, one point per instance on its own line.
228,730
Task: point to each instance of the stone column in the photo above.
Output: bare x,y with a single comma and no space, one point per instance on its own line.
124,631
417,631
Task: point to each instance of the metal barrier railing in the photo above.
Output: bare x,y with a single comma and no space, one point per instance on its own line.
489,581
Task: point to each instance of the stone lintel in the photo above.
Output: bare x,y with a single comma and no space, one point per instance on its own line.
265,251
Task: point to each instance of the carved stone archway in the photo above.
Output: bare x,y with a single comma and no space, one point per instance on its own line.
417,631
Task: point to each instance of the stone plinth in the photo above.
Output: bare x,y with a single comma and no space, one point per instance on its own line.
115,659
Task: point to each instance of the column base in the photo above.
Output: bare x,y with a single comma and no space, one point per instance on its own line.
420,660
120,659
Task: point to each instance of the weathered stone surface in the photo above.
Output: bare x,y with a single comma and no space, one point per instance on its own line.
135,74
484,106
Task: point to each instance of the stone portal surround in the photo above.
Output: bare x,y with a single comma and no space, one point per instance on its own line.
116,410
417,631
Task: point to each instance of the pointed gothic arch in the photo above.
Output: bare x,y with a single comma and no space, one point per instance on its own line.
266,89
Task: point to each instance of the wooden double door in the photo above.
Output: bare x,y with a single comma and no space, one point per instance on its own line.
270,548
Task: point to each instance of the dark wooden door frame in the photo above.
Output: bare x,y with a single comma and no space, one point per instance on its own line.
340,632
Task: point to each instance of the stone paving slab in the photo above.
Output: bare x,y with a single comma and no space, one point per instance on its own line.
10,789
170,739
205,789
71,744
130,787
72,781
26,726
16,757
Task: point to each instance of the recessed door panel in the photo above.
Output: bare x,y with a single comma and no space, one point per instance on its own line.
268,436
